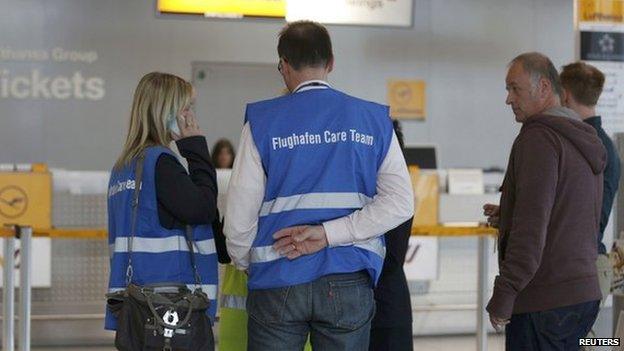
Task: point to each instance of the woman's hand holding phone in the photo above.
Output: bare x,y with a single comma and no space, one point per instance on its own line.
187,122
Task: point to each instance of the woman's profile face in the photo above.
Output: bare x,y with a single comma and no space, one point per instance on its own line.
225,158
190,108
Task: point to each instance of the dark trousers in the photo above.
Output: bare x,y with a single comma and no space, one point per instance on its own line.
335,310
556,329
395,339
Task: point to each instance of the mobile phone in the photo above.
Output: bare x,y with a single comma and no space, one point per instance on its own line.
172,124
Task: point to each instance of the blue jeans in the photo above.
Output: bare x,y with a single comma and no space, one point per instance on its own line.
336,310
556,329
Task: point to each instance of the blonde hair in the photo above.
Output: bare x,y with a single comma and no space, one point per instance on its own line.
157,96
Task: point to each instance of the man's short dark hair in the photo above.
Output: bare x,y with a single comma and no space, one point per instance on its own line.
539,66
583,81
305,44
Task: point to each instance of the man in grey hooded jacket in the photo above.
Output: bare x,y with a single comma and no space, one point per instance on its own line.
547,290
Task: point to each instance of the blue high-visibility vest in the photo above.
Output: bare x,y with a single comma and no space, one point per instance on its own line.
159,255
321,150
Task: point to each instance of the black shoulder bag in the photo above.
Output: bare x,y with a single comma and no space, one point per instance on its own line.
166,317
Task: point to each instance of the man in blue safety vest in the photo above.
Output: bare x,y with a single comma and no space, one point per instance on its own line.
319,178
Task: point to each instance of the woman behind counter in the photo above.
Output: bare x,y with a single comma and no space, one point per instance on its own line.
223,154
170,198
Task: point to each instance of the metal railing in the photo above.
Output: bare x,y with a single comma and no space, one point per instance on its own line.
25,235
10,237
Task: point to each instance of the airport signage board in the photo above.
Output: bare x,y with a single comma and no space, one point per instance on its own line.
407,99
611,11
349,12
602,45
352,12
26,199
225,8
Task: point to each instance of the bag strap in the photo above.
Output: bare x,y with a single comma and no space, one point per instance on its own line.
191,245
138,181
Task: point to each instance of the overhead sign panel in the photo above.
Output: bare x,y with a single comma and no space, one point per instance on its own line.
611,11
353,12
601,34
602,46
349,12
225,8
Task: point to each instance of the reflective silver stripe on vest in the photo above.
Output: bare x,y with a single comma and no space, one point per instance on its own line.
159,245
314,201
267,253
234,302
263,254
209,289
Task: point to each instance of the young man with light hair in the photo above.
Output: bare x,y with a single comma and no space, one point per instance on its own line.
582,86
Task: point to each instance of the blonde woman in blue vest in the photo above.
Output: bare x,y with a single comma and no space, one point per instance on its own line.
170,198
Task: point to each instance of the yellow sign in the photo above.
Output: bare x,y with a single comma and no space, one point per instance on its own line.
226,8
26,198
607,11
407,99
426,197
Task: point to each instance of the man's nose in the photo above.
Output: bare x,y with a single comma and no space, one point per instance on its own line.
509,99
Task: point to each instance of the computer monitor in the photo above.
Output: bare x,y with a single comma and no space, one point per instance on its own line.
424,156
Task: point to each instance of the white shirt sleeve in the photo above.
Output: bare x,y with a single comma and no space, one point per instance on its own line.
244,200
392,205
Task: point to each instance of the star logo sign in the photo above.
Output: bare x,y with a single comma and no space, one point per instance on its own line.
607,44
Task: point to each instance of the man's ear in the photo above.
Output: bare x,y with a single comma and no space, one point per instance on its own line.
564,97
330,65
545,87
285,67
